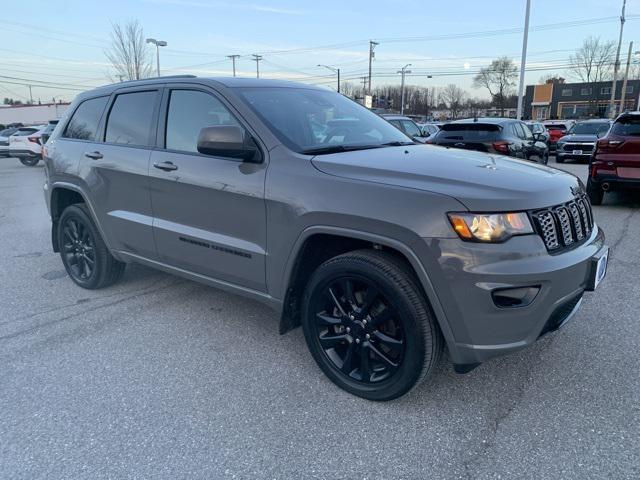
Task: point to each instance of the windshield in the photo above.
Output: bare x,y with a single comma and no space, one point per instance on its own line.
590,128
627,126
308,121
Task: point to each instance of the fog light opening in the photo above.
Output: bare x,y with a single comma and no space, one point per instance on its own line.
514,297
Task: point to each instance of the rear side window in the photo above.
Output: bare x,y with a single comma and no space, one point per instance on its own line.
411,128
468,131
189,112
84,122
25,131
627,126
130,119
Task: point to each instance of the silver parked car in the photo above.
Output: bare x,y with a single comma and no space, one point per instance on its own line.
386,252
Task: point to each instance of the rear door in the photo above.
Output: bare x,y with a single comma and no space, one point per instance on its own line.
116,170
209,211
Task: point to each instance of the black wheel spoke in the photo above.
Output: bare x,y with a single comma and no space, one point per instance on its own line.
391,343
365,366
386,361
347,364
332,340
327,320
381,318
369,299
347,289
336,302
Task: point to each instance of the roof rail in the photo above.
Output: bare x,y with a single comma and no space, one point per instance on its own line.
163,77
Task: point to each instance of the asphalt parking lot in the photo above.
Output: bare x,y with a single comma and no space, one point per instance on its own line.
159,377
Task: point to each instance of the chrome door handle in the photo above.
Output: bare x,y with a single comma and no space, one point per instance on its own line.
166,166
93,155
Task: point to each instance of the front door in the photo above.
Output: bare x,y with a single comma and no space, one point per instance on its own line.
209,212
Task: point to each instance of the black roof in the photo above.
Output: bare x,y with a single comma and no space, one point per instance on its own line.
489,120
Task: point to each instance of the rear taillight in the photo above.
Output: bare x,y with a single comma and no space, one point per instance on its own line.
605,144
34,140
501,147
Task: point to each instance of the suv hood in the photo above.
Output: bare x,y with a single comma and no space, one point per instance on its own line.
482,182
579,138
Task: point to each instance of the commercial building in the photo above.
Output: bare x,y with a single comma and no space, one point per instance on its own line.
577,100
31,114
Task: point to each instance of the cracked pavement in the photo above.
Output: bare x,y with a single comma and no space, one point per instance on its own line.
159,377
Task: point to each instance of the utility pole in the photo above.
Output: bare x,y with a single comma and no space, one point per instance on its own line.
403,71
30,95
612,103
372,46
233,61
623,94
334,70
523,60
257,58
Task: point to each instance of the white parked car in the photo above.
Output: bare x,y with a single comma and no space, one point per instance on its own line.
4,140
25,144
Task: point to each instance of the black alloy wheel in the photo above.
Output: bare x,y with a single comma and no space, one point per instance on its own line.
84,254
78,249
358,330
368,324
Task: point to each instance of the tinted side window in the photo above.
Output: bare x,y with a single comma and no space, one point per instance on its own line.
84,122
189,112
130,119
527,135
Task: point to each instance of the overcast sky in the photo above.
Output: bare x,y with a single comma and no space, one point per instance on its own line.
61,44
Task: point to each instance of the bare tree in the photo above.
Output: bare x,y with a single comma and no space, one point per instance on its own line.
593,61
453,97
499,79
129,55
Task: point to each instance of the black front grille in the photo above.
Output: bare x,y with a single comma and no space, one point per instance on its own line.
585,147
565,225
560,315
3,143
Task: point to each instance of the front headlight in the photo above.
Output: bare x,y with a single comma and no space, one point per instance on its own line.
490,227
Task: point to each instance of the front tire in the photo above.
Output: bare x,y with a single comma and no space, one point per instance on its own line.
368,326
84,254
29,161
595,193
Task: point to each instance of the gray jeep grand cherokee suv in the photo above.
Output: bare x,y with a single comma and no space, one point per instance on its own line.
385,251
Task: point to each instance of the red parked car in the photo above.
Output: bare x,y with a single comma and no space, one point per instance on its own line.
616,160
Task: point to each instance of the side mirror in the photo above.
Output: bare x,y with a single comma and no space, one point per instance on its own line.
228,141
537,136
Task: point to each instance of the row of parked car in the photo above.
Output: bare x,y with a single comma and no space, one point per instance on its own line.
612,148
25,142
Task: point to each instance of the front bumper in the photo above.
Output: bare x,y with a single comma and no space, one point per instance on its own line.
571,156
465,275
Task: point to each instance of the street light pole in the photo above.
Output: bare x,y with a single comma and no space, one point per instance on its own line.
233,60
612,102
372,46
523,60
403,71
334,70
158,44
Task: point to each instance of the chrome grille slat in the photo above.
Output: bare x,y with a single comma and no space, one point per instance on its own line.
564,225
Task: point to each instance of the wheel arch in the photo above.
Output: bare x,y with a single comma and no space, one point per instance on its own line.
63,195
305,257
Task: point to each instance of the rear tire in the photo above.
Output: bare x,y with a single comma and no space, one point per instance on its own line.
29,161
84,254
595,193
368,326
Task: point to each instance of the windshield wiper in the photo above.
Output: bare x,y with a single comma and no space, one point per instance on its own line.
397,144
337,149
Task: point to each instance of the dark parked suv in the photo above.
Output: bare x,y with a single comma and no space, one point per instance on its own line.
501,136
615,163
383,250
